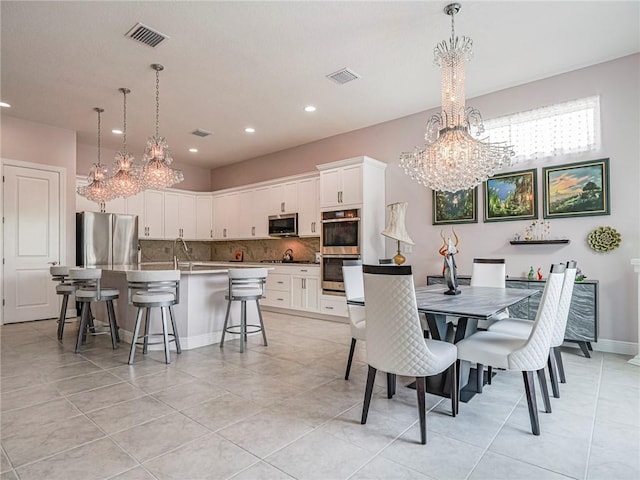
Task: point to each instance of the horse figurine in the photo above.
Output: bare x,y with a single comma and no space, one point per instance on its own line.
448,251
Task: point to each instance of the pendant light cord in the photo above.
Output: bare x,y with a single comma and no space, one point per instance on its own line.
99,110
157,102
124,123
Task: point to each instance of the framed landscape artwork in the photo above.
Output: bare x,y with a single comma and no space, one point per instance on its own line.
456,207
511,196
577,189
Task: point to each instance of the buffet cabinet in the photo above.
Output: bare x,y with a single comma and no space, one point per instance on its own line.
582,324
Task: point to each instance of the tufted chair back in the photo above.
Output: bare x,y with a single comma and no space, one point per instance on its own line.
557,337
534,353
394,335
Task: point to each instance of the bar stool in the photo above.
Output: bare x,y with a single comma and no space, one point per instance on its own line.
61,274
149,289
88,290
245,284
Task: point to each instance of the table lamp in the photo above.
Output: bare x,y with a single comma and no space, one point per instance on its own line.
396,229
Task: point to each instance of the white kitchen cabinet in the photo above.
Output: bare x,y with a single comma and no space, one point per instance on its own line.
305,292
284,198
308,208
153,228
334,305
179,216
225,216
260,212
244,220
204,217
277,291
135,206
341,186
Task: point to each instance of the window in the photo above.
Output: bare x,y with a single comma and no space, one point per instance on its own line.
560,129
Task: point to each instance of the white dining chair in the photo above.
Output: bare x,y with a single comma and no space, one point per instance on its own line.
520,327
490,272
354,288
395,342
526,355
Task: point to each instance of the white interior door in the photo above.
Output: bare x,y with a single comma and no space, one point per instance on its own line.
31,242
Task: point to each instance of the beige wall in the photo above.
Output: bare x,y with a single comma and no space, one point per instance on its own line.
37,143
617,82
196,179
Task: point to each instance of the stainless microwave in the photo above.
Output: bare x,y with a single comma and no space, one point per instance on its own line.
283,225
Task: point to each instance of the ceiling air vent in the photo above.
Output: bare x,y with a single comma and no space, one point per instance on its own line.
198,132
146,35
343,76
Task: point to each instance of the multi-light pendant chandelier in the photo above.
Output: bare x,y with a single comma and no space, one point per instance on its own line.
98,189
452,159
156,171
125,182
128,178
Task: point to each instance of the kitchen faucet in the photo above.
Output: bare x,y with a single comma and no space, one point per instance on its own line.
186,251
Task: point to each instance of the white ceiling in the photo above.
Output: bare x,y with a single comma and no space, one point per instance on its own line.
229,65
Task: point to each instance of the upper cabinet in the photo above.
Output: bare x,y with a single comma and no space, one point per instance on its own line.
284,198
341,186
308,211
153,228
204,217
179,215
225,216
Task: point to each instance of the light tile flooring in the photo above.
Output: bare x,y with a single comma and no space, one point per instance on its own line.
284,411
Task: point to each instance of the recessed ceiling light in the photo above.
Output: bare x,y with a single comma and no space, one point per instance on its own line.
193,150
309,108
250,130
116,131
5,104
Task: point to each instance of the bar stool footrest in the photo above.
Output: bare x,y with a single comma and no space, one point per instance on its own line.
140,343
233,329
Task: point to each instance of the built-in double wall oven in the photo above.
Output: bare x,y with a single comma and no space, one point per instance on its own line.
340,241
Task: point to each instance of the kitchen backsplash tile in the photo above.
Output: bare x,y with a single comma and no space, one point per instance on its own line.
253,250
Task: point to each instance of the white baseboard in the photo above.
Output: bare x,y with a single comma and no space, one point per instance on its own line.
609,346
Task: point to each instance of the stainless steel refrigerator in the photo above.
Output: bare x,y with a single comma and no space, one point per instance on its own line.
106,239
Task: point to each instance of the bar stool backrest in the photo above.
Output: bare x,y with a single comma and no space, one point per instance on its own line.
153,281
247,282
87,279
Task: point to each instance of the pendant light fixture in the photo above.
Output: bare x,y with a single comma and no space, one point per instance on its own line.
98,188
156,171
452,158
125,182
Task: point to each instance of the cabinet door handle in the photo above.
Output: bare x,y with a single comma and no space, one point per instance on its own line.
224,232
280,299
282,207
280,282
328,307
313,227
211,233
253,231
304,270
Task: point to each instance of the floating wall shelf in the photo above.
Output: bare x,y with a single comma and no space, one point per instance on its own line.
539,242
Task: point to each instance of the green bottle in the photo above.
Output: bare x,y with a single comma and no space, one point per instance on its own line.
531,274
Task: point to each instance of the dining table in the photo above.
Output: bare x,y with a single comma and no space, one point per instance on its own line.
451,318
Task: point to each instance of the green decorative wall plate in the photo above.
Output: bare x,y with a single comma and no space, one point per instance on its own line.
604,239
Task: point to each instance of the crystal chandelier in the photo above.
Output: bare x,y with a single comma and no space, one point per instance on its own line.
98,189
156,171
452,159
125,182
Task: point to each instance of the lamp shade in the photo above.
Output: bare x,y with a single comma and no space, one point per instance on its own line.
396,228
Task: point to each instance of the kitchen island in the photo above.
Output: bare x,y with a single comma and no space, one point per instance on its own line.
202,308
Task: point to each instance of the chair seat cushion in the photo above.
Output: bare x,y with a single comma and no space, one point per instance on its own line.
489,348
65,288
517,327
90,293
153,297
445,353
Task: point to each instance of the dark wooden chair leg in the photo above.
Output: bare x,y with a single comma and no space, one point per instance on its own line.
542,378
391,385
530,390
453,392
558,354
371,378
422,412
457,379
351,351
479,377
489,374
553,376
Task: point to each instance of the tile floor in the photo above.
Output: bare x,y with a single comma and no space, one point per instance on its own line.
284,411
